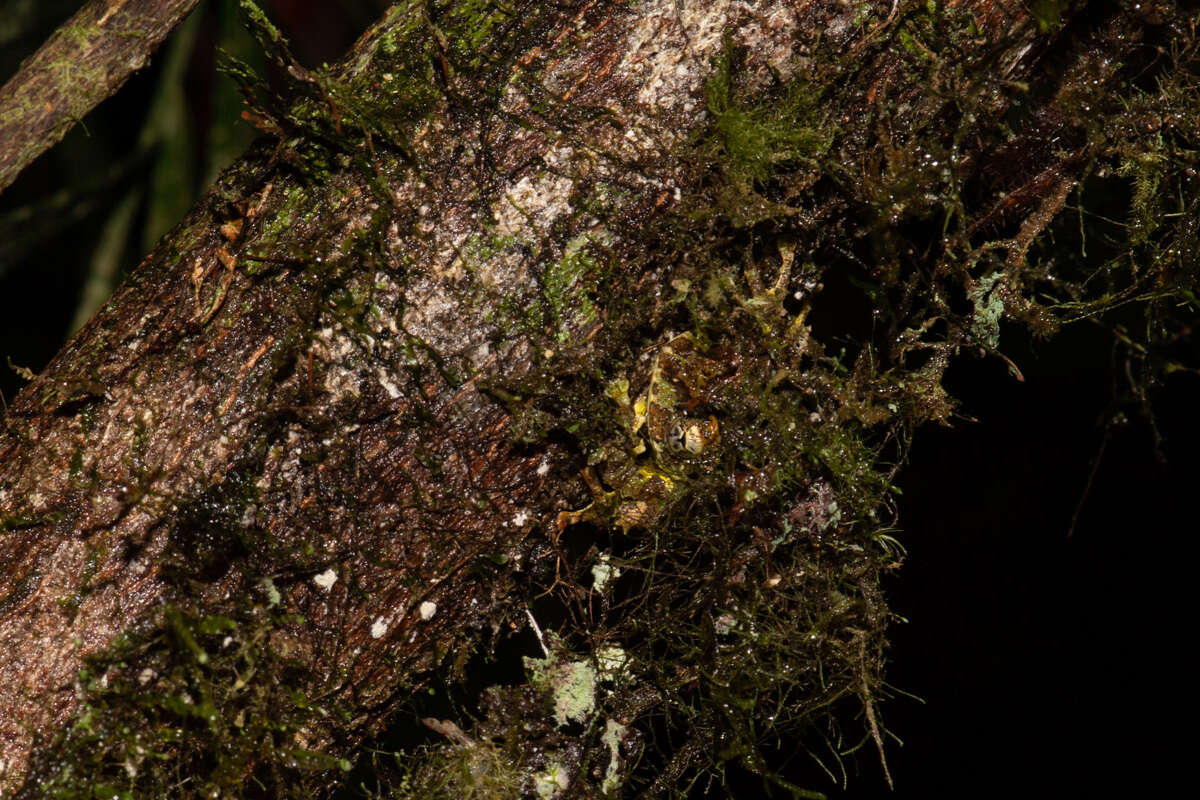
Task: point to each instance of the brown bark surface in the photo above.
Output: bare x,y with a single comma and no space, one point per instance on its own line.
354,440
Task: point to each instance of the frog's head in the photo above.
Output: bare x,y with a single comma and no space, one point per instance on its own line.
679,384
693,436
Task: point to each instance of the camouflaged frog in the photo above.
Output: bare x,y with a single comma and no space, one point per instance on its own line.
668,439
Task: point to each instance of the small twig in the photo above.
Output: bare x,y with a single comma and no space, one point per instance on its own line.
537,630
874,725
448,729
1091,479
872,722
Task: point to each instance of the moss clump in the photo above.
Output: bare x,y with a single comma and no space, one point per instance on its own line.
754,140
193,707
474,771
425,55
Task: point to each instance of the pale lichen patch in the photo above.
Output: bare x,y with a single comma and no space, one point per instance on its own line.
555,779
603,572
571,685
389,386
613,733
533,202
669,75
326,579
611,661
336,349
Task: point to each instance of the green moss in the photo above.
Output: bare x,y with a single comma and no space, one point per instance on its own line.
268,36
76,468
479,772
428,54
1049,13
759,138
568,287
191,707
785,526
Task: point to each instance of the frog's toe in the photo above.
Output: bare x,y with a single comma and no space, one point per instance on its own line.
566,519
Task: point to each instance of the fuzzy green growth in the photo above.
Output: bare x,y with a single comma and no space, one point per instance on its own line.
193,707
450,772
748,596
572,685
758,139
737,613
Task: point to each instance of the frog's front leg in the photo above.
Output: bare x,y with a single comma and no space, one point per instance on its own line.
797,331
594,511
639,496
770,300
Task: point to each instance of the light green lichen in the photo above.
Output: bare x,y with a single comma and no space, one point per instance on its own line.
613,733
603,572
611,661
549,783
989,310
571,685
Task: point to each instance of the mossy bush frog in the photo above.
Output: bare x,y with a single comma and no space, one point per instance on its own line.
670,435
667,437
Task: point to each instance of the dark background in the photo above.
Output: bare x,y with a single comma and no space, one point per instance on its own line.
1047,664
1050,665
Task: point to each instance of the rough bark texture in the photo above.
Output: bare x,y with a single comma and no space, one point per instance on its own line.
86,60
336,433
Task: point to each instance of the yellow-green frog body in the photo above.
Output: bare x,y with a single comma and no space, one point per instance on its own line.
668,439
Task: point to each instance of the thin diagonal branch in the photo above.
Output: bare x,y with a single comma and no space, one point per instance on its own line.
84,62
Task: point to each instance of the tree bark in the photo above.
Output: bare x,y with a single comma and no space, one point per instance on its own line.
341,429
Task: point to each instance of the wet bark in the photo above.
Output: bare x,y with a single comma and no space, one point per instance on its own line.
308,389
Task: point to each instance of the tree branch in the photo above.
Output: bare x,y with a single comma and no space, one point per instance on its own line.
83,63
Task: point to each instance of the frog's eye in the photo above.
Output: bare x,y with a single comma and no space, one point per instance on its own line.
700,435
675,437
